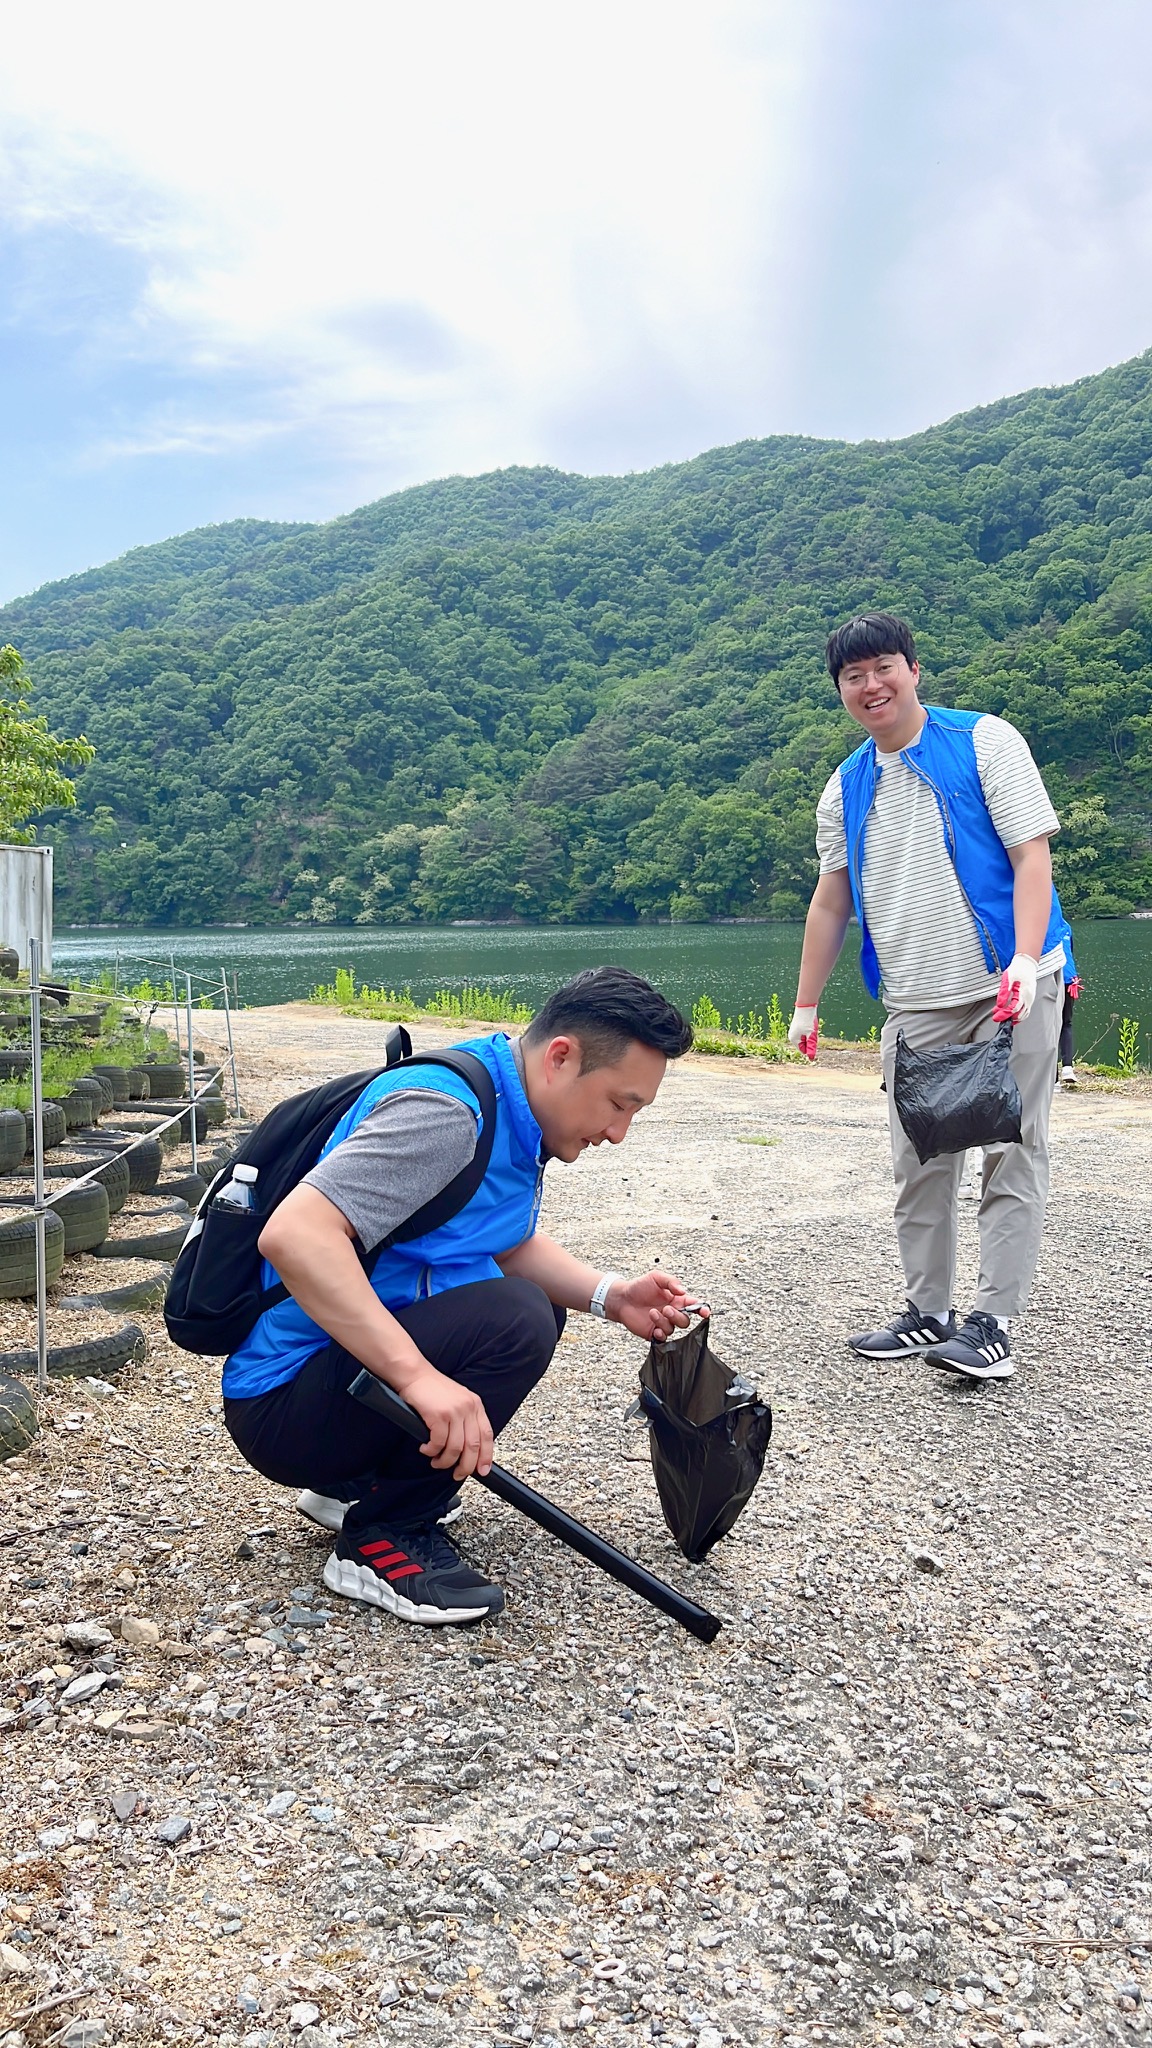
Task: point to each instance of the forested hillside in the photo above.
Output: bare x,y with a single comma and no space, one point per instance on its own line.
545,696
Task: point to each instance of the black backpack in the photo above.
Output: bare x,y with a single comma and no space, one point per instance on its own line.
215,1296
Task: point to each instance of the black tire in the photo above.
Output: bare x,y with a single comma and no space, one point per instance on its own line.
107,1097
13,1062
99,1357
18,1424
53,1123
139,1087
210,1113
13,1132
79,1114
84,1213
147,1293
113,1175
117,1079
90,1085
166,1080
18,1253
191,1187
159,1244
9,963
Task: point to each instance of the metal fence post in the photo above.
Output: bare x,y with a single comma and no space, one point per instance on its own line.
175,1001
38,1208
231,1046
191,1073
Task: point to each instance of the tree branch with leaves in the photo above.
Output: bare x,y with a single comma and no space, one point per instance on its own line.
32,759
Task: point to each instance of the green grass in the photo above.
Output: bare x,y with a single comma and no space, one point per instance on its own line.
482,1005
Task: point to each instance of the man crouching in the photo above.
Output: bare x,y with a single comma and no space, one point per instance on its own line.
462,1321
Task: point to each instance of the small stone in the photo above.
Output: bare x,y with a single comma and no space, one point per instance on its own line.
86,1635
84,2034
173,1829
280,1804
125,1581
245,1550
549,1840
709,2037
305,1617
100,1390
54,1838
927,1561
1030,2038
138,1632
305,2014
12,1963
390,1994
83,1688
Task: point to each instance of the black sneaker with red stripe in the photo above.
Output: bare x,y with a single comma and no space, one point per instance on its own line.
414,1572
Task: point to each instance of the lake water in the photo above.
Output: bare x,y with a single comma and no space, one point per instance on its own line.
739,966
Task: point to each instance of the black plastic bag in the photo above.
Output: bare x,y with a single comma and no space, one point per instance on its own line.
708,1432
954,1096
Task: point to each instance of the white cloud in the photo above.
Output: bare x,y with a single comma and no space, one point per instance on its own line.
473,214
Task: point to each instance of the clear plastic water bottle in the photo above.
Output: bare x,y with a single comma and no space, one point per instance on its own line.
237,1192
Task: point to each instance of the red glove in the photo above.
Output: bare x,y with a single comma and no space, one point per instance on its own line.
1074,988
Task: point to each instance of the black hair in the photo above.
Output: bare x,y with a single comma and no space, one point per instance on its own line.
608,1009
864,637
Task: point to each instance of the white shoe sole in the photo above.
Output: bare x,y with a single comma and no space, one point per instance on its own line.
905,1351
1003,1369
357,1582
328,1513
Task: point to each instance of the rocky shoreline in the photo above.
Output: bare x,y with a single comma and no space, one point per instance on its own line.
905,1795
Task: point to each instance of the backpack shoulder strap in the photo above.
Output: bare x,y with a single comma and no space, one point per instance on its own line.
461,1188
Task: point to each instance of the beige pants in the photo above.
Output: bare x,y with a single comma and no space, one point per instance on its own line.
1015,1179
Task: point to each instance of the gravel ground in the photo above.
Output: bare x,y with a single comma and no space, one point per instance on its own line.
906,1794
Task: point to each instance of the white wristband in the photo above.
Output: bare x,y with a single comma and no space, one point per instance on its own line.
598,1304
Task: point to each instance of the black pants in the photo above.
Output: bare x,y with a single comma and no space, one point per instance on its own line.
1066,1057
496,1337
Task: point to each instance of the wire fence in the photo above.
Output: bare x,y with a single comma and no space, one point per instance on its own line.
199,1081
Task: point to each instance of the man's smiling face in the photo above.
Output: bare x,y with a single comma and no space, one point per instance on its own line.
879,692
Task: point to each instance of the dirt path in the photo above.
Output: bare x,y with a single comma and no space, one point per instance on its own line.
907,1794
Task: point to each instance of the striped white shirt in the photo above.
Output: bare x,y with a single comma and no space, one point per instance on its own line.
924,933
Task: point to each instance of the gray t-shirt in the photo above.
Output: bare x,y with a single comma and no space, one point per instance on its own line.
401,1154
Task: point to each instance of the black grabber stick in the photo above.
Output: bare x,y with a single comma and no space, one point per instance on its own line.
697,1620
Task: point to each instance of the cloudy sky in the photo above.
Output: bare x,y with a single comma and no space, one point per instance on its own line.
261,259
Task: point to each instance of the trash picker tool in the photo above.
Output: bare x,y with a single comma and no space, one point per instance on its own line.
697,1620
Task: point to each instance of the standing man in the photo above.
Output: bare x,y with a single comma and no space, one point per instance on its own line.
461,1320
935,833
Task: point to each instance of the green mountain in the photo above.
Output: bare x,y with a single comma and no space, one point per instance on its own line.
538,695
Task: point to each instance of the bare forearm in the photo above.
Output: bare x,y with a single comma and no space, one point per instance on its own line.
824,930
567,1281
315,1259
1031,894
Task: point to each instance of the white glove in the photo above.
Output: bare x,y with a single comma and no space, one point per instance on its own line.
1017,987
802,1031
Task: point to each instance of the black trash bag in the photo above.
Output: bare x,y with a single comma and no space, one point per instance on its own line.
954,1096
708,1432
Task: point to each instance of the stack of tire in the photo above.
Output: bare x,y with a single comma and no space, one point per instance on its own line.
128,1159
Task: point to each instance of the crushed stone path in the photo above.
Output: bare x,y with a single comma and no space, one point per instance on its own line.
906,1795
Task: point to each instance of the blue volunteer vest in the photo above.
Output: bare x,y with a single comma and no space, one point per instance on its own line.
500,1215
944,757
